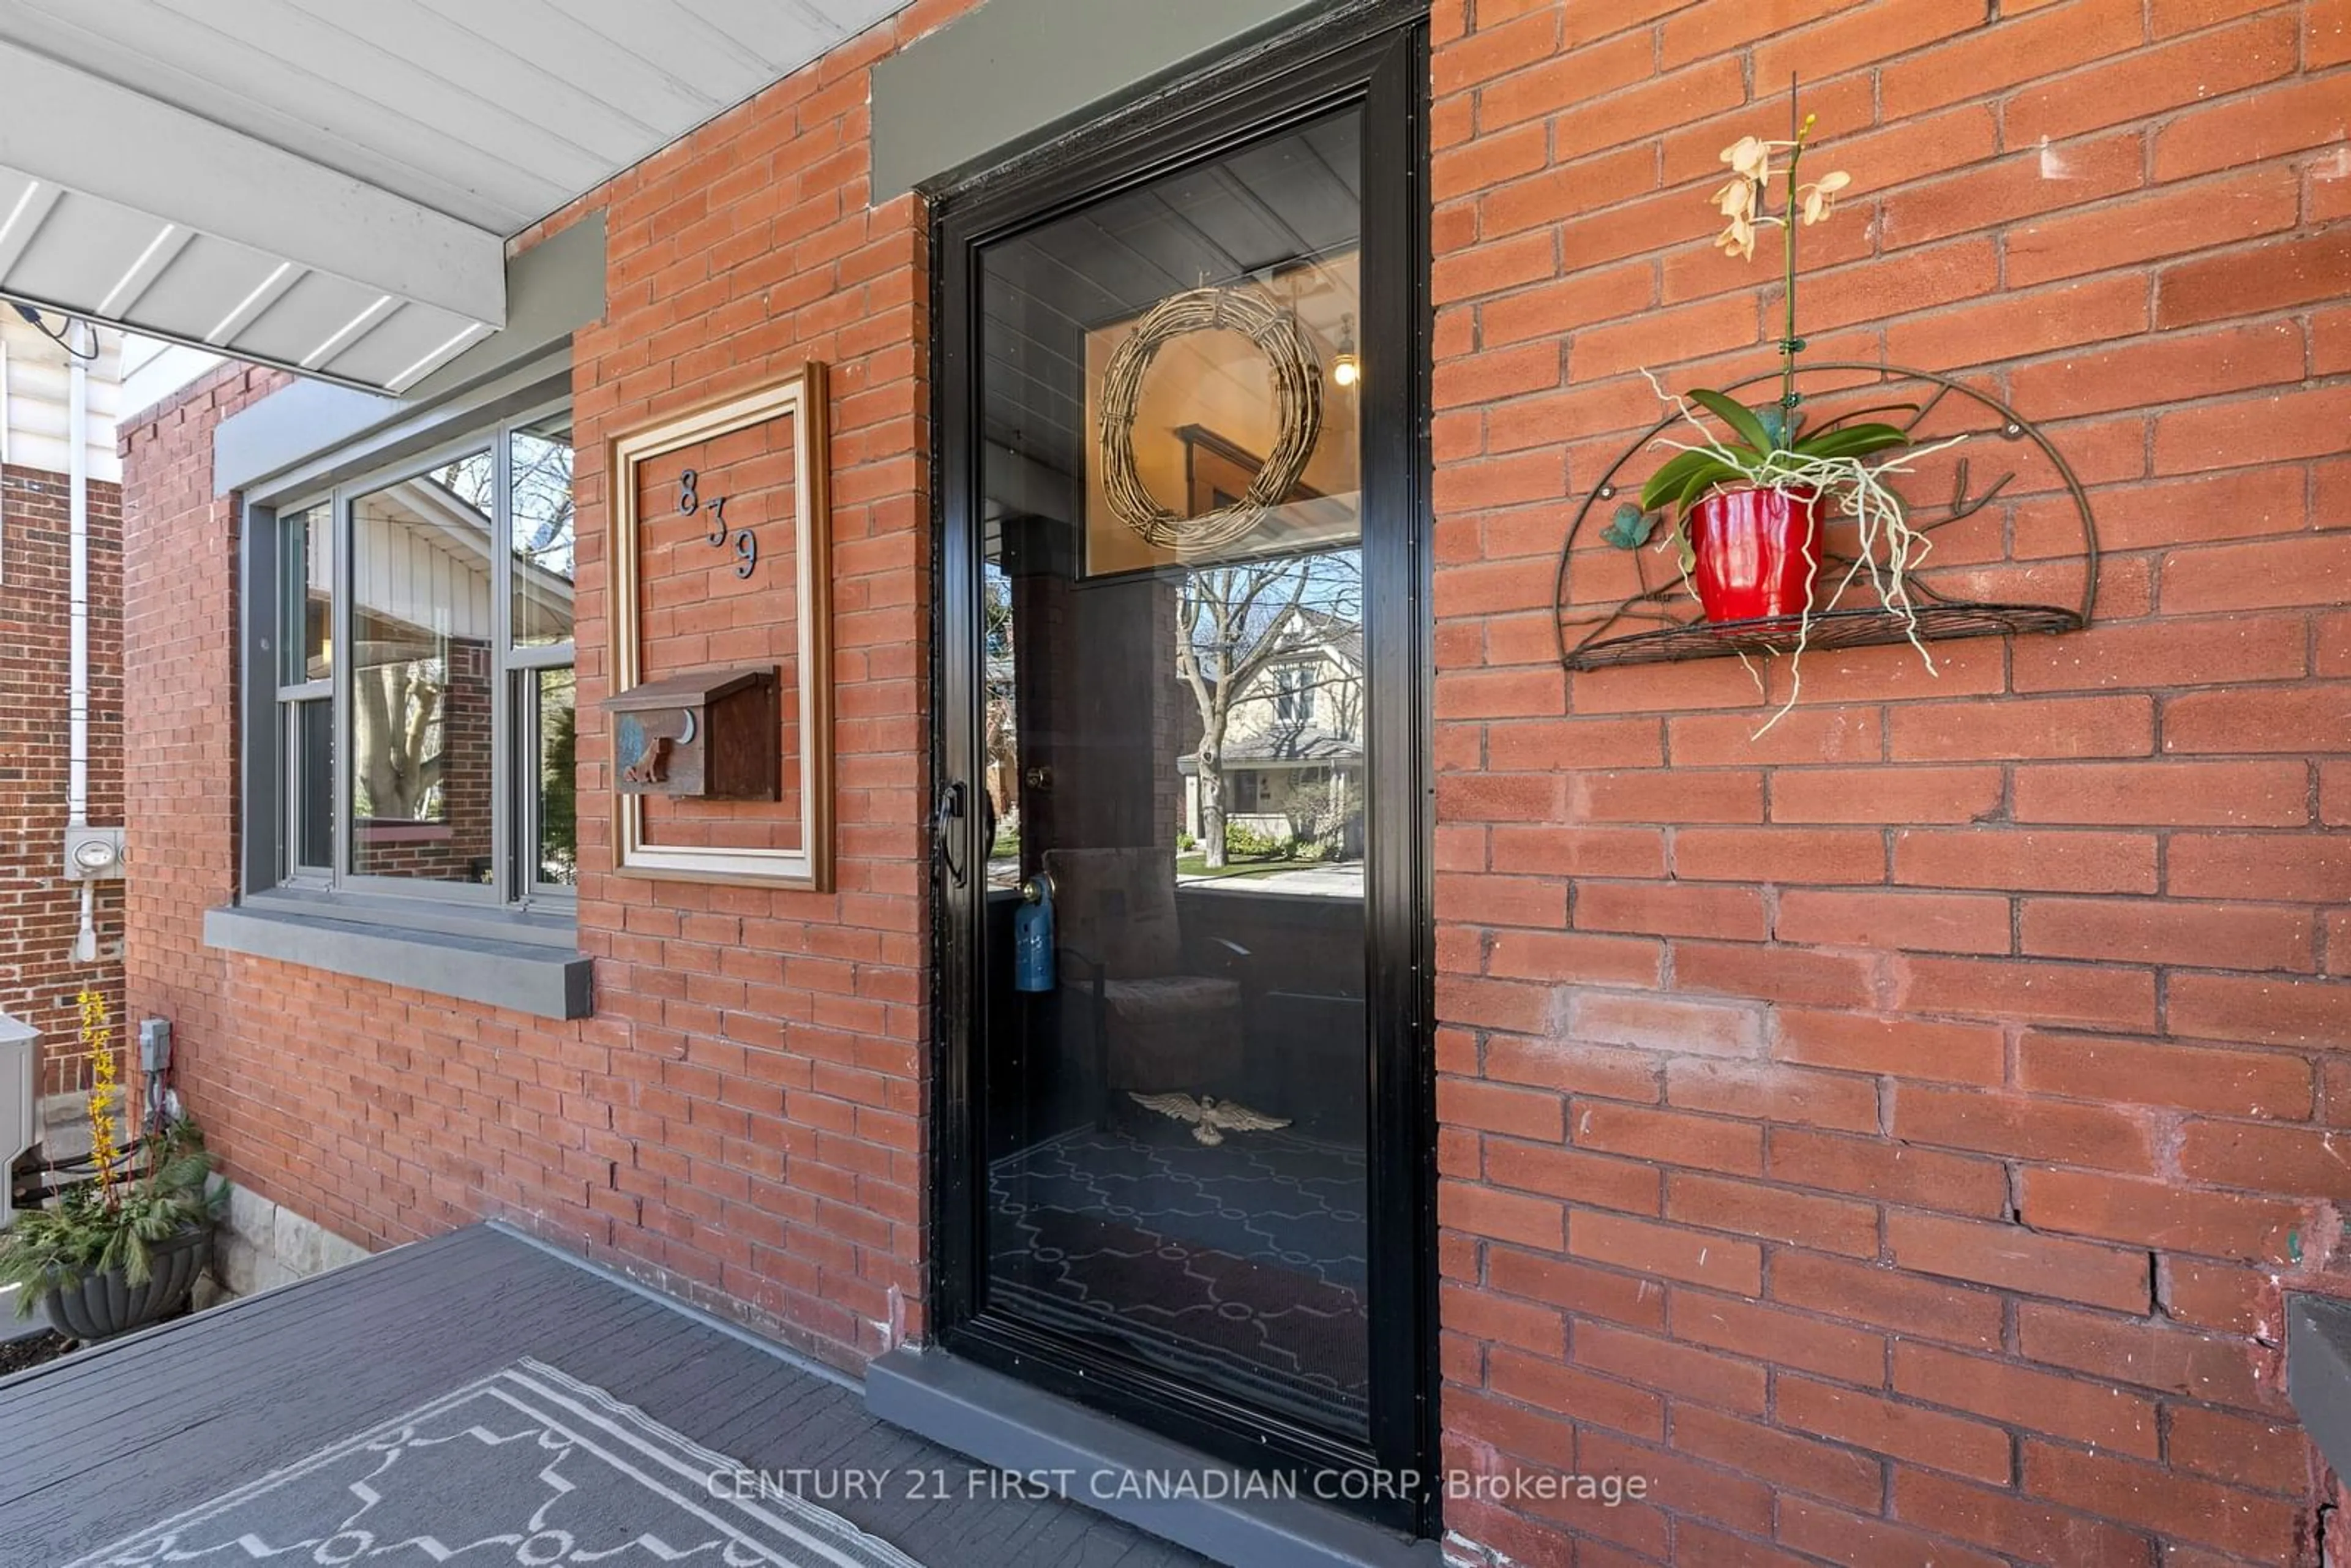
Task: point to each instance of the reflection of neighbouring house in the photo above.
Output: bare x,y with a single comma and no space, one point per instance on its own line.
1294,745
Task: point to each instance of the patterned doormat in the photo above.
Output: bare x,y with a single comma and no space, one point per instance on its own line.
525,1466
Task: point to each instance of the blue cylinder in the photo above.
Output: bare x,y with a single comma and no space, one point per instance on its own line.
1032,942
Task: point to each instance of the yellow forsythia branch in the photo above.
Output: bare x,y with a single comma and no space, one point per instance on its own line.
105,1092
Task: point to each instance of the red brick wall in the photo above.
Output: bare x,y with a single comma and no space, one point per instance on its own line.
740,1121
40,909
1906,1217
1891,1136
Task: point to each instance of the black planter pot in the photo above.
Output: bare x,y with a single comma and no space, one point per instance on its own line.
100,1306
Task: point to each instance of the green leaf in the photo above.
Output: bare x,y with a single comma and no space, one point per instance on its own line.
1749,428
1630,529
1671,475
1704,479
1852,441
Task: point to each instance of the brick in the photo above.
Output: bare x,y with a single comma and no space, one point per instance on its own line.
1768,1333
1582,1069
2018,1527
2137,931
1887,1298
2241,1523
2015,1259
2016,991
2155,1214
1888,1171
2045,862
1665,1023
1925,921
1548,1385
1680,1370
1579,1288
2256,576
1498,1108
1786,855
1774,1092
2165,1073
1810,735
2016,325
1856,37
1772,1214
2046,727
1573,1176
2304,1162
1878,1425
2023,1126
2166,793
1782,1458
1991,59
1669,1137
2168,221
1504,1215
2257,865
2280,427
1785,975
2277,719
2286,119
2268,1010
1667,910
1558,309
1910,1048
2199,1293
2157,653
2150,81
2267,1456
2074,1409
2015,186
1857,1542
1694,1256
1647,797
2218,1369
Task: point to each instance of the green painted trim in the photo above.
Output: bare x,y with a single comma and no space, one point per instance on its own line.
1005,75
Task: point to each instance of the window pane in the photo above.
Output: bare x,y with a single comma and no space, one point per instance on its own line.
540,459
312,784
306,577
555,769
422,768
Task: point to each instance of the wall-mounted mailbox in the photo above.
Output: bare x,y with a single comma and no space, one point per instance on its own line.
714,735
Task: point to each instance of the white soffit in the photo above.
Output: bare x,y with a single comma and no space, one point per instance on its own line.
329,184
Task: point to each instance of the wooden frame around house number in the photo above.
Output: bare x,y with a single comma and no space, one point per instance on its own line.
801,400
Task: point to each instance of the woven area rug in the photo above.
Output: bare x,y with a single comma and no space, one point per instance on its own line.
525,1466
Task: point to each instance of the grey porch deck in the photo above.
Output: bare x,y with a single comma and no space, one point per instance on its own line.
105,1442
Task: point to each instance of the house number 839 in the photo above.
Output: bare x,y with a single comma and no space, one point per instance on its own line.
720,533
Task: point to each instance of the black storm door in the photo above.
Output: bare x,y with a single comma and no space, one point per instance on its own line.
1185,1140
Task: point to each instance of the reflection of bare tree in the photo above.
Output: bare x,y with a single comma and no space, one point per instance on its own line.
1232,623
399,711
1000,740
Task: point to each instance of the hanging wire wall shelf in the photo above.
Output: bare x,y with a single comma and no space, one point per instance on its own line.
2014,550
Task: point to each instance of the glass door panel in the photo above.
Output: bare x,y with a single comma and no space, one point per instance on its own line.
1174,1120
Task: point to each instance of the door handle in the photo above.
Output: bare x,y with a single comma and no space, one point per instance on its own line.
946,824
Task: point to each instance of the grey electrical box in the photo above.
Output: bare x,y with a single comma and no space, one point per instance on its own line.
93,853
154,1044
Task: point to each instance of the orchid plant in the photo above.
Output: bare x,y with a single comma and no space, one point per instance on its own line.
1768,447
1843,463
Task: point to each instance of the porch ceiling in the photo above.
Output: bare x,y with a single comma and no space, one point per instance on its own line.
329,184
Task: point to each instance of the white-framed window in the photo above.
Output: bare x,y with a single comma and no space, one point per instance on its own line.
425,675
1294,694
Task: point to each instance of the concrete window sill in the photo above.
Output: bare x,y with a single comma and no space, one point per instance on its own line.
530,976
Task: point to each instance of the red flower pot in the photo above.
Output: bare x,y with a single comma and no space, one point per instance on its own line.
1758,552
